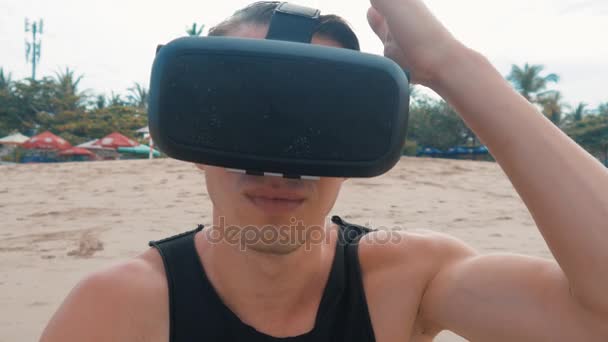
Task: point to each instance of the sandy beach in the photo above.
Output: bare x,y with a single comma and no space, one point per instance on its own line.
59,222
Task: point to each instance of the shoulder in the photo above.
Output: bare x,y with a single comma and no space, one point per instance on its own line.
397,269
421,250
413,258
118,303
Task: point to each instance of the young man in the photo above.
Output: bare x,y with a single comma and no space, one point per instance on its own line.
204,287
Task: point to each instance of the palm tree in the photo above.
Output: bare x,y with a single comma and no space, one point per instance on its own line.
100,101
602,109
67,89
5,80
67,81
553,105
578,113
138,96
194,31
115,100
529,82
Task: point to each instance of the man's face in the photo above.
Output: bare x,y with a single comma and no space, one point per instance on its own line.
256,201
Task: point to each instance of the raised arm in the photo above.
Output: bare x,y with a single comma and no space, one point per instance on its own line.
563,186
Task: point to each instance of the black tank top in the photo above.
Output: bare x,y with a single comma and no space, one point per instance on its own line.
197,314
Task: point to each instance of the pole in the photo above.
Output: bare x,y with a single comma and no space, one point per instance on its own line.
34,52
151,156
33,47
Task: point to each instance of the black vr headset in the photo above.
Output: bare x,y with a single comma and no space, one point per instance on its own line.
279,106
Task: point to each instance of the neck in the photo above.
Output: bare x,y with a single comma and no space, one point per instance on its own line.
270,291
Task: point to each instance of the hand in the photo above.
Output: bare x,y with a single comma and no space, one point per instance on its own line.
412,37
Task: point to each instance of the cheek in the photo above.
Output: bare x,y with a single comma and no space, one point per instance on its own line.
220,184
327,191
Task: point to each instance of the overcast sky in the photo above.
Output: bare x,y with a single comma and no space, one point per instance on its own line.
112,42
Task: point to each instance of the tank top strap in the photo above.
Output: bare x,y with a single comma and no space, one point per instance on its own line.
357,325
194,313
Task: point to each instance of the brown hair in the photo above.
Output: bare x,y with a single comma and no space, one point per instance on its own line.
260,13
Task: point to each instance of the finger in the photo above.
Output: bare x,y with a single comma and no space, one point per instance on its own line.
377,23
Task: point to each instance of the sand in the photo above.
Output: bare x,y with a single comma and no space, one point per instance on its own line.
59,222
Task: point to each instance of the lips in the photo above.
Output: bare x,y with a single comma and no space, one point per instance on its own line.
272,201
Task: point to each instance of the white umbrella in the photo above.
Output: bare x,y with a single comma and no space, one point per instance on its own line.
89,145
14,139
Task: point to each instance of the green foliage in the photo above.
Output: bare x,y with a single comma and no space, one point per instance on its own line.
603,109
100,102
56,104
194,31
27,98
81,126
577,114
435,124
138,96
410,148
592,134
552,106
5,80
66,87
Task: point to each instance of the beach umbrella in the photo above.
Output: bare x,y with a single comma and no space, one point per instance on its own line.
143,130
46,141
14,139
76,151
141,149
116,140
90,145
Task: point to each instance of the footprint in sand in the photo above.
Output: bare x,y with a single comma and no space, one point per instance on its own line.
87,246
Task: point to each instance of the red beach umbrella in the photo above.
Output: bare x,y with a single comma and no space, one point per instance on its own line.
116,140
76,151
47,141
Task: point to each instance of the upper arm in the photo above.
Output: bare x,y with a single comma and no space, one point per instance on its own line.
111,305
505,298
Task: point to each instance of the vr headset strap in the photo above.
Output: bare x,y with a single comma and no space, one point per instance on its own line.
293,23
